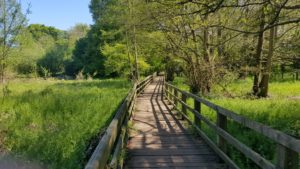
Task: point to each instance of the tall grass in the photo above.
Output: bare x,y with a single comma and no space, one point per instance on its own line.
53,121
280,111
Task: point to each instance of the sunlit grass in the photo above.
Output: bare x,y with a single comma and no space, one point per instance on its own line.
53,121
276,89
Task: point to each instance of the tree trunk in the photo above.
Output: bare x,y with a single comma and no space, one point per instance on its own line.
136,55
220,45
3,52
258,56
2,65
264,84
128,56
136,71
136,58
258,62
282,69
207,81
205,44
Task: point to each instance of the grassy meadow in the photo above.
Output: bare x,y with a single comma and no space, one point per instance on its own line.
53,121
280,111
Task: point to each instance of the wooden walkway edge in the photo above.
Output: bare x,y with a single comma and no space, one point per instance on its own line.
159,140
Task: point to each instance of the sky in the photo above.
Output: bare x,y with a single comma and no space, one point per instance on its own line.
62,14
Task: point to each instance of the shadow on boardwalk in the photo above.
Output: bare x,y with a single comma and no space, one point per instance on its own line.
159,140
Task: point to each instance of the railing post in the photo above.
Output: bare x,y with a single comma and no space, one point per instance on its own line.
175,99
170,94
286,158
183,108
163,87
167,91
222,123
197,107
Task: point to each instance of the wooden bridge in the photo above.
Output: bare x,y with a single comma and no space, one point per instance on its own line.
158,139
152,129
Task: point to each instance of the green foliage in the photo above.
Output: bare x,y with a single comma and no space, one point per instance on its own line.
75,33
145,67
112,43
53,121
87,54
45,72
24,59
12,20
153,47
54,59
38,31
116,62
42,46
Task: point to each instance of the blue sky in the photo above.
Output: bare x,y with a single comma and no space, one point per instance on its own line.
62,14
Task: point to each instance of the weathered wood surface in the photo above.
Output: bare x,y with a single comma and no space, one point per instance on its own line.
159,140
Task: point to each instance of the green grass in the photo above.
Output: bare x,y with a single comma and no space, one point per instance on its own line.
280,111
53,121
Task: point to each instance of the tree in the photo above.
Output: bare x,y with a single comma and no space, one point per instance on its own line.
34,42
87,55
206,35
119,24
77,32
54,60
212,38
39,30
12,20
116,60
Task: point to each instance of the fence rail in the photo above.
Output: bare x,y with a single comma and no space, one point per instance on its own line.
108,151
288,147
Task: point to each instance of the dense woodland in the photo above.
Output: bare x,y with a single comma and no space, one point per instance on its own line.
208,42
227,51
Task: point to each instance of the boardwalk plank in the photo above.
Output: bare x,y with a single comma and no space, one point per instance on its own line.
178,164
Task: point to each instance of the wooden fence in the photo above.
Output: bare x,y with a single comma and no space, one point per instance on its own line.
108,152
288,147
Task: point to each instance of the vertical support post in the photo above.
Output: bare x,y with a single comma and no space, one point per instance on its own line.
183,108
123,143
166,91
170,94
133,104
163,87
173,96
222,123
175,99
197,107
286,158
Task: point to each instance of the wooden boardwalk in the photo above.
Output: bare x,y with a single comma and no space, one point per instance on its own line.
159,140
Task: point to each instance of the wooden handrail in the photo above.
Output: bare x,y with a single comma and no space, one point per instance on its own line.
112,140
288,148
